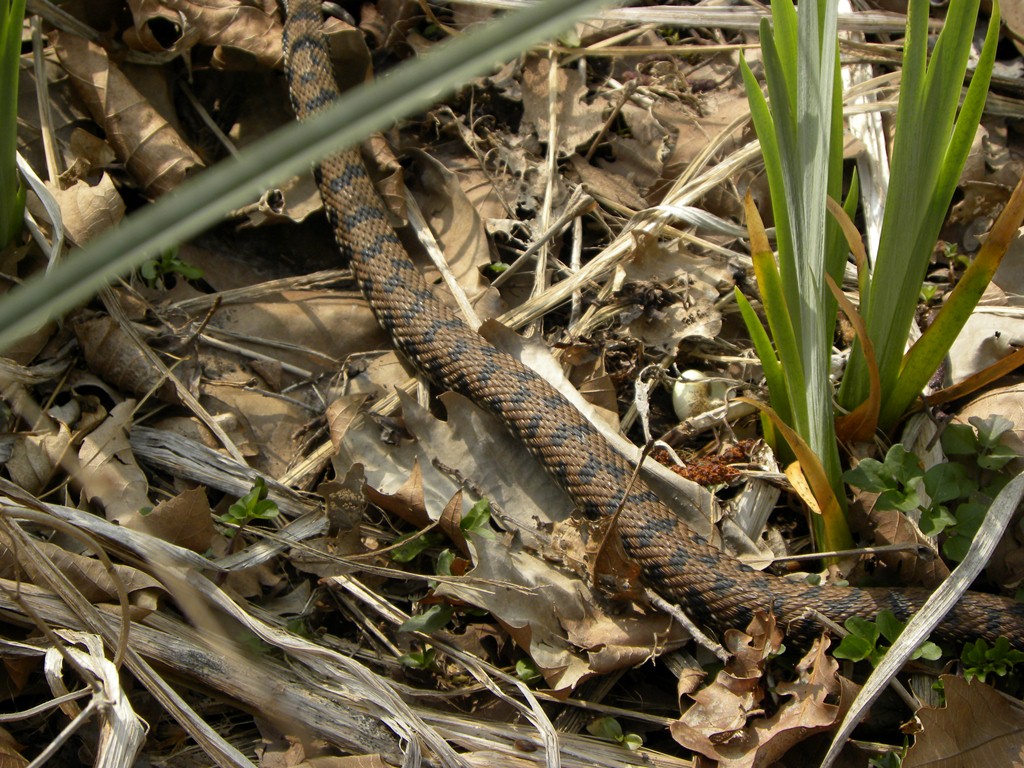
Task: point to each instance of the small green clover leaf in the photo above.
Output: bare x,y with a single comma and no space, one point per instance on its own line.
943,483
985,444
969,517
891,759
895,480
862,642
424,659
168,263
443,567
959,440
980,661
608,729
410,545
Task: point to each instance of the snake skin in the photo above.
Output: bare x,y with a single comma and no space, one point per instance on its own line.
715,589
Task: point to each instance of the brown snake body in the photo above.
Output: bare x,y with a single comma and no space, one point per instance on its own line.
715,589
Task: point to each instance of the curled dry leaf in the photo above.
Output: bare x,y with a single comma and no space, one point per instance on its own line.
251,29
109,476
114,356
90,577
35,457
727,720
153,152
89,209
458,228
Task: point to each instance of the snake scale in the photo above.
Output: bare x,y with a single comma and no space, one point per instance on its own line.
715,589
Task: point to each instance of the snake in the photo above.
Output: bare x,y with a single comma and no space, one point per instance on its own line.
713,588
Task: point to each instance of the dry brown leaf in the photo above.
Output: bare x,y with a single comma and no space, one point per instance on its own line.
556,618
727,723
978,726
407,502
153,152
256,581
113,355
345,506
458,228
891,526
36,456
91,578
607,187
10,754
90,153
352,761
340,414
185,520
110,477
263,427
87,210
473,445
450,523
305,320
577,120
251,29
608,565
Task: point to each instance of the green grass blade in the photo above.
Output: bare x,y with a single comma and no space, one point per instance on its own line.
765,127
801,140
12,193
784,121
927,353
773,376
785,37
808,175
929,150
967,121
202,201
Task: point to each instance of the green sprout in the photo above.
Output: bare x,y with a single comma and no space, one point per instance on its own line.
253,506
608,729
980,661
425,659
155,271
528,671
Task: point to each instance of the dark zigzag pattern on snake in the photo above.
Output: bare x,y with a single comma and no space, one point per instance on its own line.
715,589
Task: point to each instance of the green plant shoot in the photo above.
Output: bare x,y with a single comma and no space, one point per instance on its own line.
12,191
801,140
930,147
253,506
